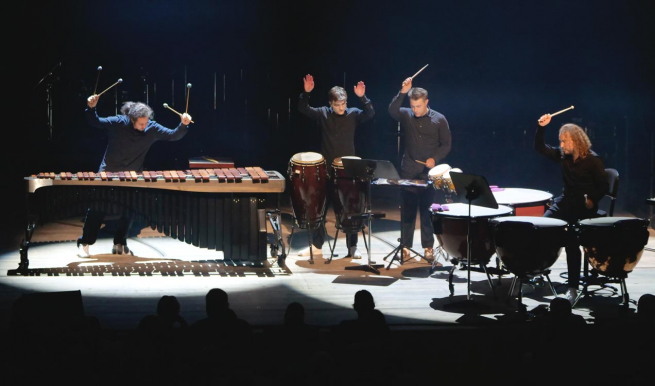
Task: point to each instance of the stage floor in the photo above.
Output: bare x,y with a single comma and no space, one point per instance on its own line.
123,288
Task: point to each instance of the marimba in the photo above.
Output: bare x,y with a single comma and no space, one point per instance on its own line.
222,209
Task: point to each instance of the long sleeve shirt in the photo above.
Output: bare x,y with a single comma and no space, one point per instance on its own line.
425,137
337,131
582,176
127,147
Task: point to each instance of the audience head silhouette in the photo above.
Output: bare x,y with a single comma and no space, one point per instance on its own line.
295,314
646,306
168,308
560,308
363,301
216,302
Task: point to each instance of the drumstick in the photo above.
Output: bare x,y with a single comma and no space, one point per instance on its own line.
97,78
188,91
421,162
168,107
559,112
419,71
117,82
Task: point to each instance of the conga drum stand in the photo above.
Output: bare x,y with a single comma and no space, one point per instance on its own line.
368,170
475,188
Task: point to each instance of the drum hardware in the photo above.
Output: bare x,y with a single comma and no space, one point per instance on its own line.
348,201
367,170
613,247
528,246
275,219
472,188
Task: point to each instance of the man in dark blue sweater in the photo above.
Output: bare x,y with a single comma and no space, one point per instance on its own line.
130,137
427,141
338,124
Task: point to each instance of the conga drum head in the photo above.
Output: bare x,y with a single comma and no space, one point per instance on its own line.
529,245
451,230
307,158
613,245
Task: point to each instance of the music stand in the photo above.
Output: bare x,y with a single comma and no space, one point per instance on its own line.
368,169
474,189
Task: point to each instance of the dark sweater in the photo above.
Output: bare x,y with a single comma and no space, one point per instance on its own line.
582,176
425,137
337,131
127,146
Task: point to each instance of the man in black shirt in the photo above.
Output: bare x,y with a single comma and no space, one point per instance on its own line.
338,124
427,141
130,137
585,184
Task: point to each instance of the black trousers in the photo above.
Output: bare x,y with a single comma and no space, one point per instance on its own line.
93,222
318,234
417,199
571,210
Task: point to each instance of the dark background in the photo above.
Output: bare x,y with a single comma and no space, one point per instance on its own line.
494,68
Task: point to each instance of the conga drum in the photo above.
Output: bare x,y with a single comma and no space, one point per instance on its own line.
613,245
435,175
525,202
308,177
529,245
349,197
451,230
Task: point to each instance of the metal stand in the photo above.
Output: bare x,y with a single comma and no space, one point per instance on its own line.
49,101
476,188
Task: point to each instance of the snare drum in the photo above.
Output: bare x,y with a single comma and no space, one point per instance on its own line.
613,245
451,229
349,197
308,176
436,175
525,202
529,245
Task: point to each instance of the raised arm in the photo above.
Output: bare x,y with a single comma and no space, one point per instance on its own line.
94,120
369,111
397,101
303,101
540,146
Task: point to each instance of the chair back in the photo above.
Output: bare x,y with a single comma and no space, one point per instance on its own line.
612,176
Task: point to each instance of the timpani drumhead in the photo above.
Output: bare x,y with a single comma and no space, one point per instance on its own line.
307,158
539,222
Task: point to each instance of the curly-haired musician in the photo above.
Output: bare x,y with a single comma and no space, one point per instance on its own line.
130,135
585,184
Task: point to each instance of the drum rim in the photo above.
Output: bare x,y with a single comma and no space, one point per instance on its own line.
635,220
340,165
436,166
450,215
506,219
303,162
526,203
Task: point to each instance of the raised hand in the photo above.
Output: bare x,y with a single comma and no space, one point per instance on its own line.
544,120
309,83
360,89
186,119
407,85
92,101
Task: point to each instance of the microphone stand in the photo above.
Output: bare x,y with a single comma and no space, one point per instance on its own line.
49,101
